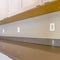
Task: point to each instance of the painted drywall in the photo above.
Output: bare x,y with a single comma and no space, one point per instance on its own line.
37,27
55,18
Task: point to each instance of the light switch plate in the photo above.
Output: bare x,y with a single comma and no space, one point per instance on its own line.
52,26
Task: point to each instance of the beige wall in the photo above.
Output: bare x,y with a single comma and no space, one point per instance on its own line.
55,18
37,27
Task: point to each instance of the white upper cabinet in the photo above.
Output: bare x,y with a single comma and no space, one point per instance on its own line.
10,8
14,7
27,3
3,9
19,6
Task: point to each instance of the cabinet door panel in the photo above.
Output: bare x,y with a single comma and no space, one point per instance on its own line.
14,7
27,3
3,9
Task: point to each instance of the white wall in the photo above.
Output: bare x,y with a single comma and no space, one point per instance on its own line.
37,27
55,18
34,27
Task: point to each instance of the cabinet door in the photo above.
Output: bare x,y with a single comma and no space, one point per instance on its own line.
14,7
27,3
18,6
3,9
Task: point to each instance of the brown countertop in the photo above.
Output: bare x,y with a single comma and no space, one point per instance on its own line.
26,51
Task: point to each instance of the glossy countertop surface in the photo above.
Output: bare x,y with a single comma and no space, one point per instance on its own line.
26,51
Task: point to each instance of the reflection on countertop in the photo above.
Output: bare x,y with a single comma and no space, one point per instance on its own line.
28,51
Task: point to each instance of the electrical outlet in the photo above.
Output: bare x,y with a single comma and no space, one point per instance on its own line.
18,29
3,30
53,42
52,26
